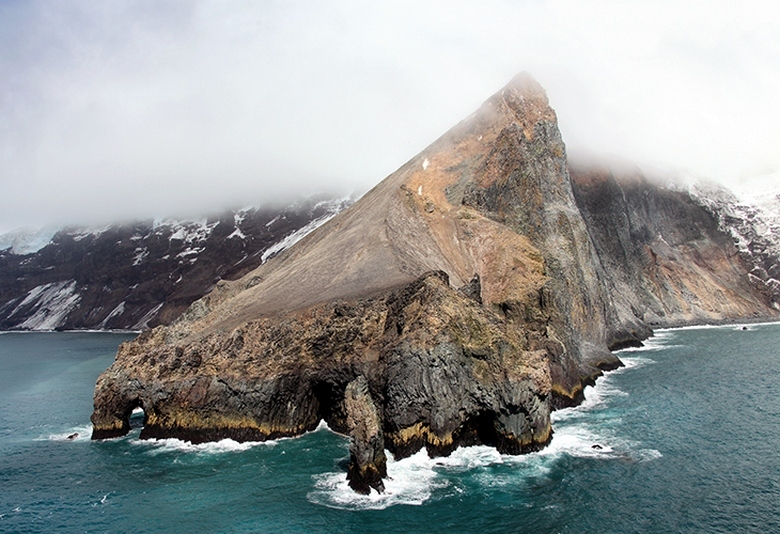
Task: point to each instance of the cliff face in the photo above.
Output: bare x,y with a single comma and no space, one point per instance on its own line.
458,302
132,276
667,260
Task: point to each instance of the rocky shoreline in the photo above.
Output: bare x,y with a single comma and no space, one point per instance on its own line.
459,302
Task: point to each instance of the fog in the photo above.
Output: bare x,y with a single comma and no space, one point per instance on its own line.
117,110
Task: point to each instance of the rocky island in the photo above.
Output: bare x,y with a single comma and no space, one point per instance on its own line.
469,294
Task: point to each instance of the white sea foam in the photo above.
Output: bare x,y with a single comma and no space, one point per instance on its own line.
587,440
578,434
660,340
168,445
410,481
597,395
736,326
632,362
78,433
578,440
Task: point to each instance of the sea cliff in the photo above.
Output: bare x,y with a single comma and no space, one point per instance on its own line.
459,302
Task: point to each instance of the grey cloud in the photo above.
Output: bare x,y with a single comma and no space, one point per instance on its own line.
133,109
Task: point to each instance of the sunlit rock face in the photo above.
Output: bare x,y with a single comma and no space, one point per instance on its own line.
458,302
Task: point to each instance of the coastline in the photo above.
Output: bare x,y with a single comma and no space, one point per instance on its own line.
724,324
86,331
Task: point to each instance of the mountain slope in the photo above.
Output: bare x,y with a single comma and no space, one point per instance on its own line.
667,258
132,276
458,302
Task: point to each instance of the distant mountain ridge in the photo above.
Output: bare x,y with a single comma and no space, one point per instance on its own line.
752,219
142,274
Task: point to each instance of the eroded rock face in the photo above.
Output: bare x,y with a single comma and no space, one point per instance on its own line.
425,366
667,260
457,303
368,464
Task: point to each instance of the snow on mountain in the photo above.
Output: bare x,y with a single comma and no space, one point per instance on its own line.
48,305
141,274
27,240
752,218
332,207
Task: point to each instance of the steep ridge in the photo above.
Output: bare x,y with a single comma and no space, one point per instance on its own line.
458,302
754,226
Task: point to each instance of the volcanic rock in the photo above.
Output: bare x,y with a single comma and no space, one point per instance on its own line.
457,303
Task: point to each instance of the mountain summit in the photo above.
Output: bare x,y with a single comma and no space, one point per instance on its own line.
458,302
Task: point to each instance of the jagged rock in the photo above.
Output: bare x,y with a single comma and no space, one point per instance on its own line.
368,464
473,289
446,370
360,323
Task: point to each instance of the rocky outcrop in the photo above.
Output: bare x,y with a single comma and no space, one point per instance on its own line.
458,302
140,275
368,464
425,366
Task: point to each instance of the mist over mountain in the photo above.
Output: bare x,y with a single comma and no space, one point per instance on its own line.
129,110
138,275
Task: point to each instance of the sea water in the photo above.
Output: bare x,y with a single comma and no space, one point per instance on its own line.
684,438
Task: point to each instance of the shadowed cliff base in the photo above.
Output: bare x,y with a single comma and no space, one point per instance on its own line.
457,303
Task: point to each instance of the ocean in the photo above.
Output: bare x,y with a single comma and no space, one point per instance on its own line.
684,438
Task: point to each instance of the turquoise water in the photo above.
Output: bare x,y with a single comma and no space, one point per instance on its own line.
689,434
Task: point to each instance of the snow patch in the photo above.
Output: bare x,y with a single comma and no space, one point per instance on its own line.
333,206
238,218
237,233
143,323
50,304
91,232
140,255
117,311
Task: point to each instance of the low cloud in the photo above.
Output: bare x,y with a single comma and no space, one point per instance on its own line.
115,110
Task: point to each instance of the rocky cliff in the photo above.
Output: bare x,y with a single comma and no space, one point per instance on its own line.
142,274
667,257
458,302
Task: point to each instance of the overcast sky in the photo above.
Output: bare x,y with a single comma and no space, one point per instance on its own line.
130,109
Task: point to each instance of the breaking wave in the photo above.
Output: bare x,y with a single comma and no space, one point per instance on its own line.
578,432
77,433
168,445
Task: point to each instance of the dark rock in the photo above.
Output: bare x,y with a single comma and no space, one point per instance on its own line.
143,274
665,260
368,465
